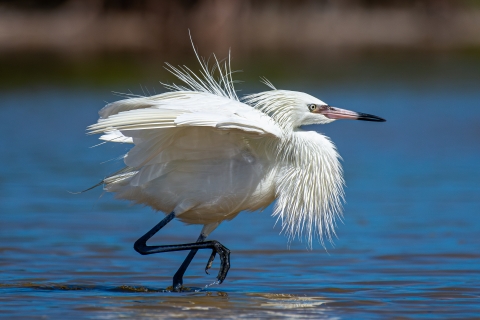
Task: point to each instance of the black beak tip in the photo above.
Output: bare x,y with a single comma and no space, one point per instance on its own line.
369,117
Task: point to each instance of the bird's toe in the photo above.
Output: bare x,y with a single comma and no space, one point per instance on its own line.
224,254
210,261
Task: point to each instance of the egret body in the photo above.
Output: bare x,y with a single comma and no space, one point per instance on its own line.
202,155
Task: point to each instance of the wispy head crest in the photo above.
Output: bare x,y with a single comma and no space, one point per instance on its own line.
267,82
216,80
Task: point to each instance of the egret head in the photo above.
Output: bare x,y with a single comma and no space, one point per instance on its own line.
292,109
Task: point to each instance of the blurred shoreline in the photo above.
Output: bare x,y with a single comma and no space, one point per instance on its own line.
100,42
92,27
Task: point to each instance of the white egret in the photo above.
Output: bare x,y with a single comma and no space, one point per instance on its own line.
203,155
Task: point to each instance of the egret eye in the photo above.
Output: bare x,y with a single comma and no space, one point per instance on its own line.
312,107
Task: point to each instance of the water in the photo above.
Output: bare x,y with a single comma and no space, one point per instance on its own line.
409,246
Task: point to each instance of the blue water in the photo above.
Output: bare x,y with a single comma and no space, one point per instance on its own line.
409,246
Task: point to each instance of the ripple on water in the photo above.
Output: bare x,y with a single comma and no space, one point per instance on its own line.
409,247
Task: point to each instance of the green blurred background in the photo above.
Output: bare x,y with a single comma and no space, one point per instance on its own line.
117,43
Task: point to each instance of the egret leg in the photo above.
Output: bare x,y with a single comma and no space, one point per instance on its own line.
141,247
178,277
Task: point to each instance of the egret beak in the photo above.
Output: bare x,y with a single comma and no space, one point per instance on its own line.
337,113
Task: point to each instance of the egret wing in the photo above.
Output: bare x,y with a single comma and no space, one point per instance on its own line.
180,109
188,132
154,124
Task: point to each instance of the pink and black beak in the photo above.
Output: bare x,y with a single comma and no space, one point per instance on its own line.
337,113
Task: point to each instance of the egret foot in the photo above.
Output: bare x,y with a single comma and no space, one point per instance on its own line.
224,254
141,247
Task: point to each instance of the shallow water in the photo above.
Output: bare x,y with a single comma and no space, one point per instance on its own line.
409,246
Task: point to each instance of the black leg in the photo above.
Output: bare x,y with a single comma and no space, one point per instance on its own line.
178,277
141,247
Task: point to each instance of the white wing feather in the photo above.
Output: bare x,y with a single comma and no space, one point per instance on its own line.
115,136
179,109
